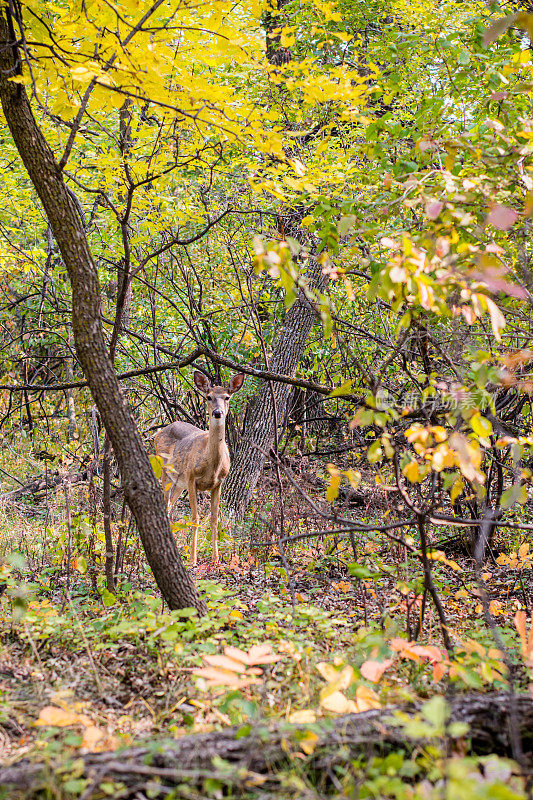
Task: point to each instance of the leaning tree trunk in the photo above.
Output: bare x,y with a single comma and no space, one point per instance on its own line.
142,491
271,401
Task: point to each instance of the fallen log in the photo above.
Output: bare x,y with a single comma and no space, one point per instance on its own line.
44,483
244,757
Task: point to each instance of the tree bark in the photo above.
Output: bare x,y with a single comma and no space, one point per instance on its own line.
142,491
258,436
267,749
72,430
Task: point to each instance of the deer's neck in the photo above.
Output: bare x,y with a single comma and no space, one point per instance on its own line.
217,440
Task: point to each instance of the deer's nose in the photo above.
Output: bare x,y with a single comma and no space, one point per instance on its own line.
217,414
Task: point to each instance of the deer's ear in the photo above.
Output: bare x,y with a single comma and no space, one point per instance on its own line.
201,382
236,382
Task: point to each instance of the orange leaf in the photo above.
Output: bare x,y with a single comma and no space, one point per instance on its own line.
527,644
262,654
91,736
398,645
373,670
223,677
52,715
258,654
225,662
502,217
439,670
429,651
236,654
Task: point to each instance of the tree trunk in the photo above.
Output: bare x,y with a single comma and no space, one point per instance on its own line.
258,436
270,403
142,491
124,293
72,430
265,750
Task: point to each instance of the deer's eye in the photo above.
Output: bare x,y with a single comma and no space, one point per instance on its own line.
209,396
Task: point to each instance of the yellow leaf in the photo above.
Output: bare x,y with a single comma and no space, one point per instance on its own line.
456,490
157,465
497,320
308,742
302,717
412,472
523,550
338,679
298,167
338,703
480,425
333,489
468,457
439,433
328,671
366,699
442,458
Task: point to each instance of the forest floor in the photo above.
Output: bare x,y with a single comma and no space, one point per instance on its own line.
83,669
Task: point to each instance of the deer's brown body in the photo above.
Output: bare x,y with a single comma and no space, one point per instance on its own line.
197,460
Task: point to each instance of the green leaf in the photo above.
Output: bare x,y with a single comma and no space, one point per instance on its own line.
346,388
16,560
360,571
517,493
81,563
364,417
108,599
436,711
75,785
374,452
458,729
345,223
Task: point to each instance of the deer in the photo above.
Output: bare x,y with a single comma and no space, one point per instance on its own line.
196,460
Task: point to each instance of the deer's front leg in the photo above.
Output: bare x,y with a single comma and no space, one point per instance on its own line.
215,502
194,519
